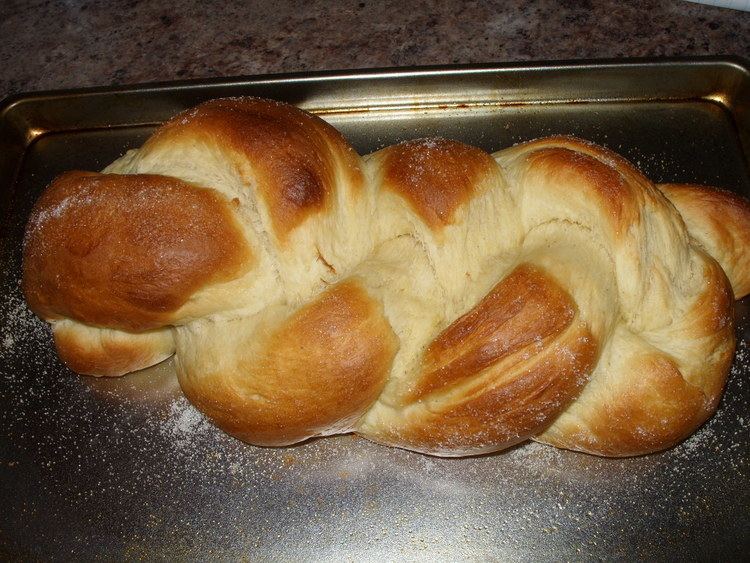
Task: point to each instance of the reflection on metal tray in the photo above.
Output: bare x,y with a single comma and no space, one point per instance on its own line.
127,468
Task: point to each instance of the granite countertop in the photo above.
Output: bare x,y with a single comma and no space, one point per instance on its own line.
46,44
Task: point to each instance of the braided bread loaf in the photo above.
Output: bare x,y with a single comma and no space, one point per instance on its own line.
428,296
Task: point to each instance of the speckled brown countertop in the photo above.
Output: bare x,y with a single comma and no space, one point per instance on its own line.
48,44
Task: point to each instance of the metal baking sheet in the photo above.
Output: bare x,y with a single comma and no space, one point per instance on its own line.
127,469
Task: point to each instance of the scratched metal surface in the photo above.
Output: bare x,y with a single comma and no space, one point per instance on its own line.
127,469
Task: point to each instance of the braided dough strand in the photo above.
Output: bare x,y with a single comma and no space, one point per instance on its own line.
428,296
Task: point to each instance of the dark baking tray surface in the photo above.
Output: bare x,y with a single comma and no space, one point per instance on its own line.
127,469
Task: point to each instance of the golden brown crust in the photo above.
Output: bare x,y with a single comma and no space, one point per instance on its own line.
91,351
127,251
526,308
526,401
606,184
650,391
436,176
312,373
498,375
655,412
712,319
720,222
649,406
294,155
